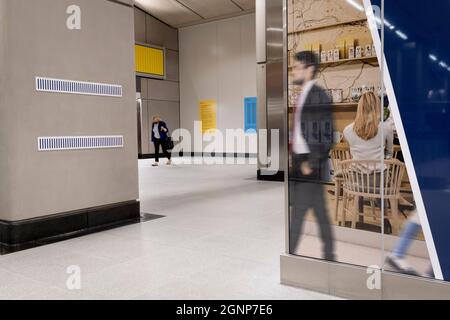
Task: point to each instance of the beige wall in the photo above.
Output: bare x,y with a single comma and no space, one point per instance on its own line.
218,62
160,97
38,43
4,177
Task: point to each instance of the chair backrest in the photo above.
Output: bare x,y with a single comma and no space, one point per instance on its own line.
363,178
396,150
338,154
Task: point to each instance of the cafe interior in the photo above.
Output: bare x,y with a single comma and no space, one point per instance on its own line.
349,67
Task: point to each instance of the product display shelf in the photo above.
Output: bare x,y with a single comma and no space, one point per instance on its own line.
328,26
351,106
371,60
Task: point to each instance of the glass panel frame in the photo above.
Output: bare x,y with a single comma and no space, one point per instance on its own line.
312,135
406,207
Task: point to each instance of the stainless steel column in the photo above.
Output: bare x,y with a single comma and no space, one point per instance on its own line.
139,123
272,85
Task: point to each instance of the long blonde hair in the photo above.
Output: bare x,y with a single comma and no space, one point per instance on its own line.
368,116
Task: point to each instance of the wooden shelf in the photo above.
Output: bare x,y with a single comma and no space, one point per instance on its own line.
343,105
373,60
351,22
346,104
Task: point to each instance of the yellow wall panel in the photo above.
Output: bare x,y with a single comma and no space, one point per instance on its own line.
208,115
149,60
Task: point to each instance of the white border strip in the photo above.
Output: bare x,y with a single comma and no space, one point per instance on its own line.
404,143
44,84
79,143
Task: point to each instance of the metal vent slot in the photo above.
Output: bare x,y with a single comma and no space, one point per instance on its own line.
78,87
79,143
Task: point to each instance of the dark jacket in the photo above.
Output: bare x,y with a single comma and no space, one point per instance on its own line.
318,127
163,134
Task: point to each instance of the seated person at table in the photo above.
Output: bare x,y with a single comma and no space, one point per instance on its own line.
364,135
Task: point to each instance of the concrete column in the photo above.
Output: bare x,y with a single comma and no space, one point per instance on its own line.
35,41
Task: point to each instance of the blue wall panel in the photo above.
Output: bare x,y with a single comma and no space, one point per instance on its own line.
417,50
250,115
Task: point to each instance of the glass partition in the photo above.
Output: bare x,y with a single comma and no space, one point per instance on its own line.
368,142
336,150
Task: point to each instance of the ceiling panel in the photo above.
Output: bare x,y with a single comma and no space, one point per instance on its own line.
169,11
212,8
245,4
178,13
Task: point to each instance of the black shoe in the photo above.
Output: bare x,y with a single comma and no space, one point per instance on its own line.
330,257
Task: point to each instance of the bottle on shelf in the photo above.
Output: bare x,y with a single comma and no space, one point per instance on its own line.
351,53
368,51
358,52
336,55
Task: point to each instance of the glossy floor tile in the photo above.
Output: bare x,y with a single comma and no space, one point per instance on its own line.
220,238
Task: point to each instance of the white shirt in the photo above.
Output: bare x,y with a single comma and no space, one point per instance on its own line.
300,146
391,122
370,149
156,130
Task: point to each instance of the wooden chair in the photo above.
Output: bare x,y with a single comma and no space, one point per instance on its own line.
339,153
362,180
396,150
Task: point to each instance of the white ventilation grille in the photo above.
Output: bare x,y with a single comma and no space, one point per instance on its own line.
79,143
78,87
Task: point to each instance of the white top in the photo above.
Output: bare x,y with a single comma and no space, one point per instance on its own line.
370,149
391,122
156,130
300,146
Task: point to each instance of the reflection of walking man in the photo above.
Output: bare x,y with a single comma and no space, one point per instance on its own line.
310,150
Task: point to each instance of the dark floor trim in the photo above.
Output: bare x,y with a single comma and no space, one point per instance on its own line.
25,234
147,156
202,154
223,155
278,177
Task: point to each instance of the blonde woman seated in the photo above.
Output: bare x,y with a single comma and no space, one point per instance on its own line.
365,135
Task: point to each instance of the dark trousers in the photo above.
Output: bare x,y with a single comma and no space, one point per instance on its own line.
162,143
305,196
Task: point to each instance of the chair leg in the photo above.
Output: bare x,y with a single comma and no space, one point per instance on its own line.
344,209
355,212
395,217
372,204
337,194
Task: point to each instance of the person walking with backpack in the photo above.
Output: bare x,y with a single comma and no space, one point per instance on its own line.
160,137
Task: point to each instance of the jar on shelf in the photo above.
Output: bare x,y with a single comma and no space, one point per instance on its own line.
337,95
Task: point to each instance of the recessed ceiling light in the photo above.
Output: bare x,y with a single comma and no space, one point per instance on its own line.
401,35
432,57
356,5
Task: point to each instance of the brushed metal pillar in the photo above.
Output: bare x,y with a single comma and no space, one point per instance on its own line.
272,86
139,123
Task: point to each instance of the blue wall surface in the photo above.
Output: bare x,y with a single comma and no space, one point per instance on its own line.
417,49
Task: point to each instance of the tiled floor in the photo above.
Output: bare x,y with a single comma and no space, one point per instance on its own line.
220,239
